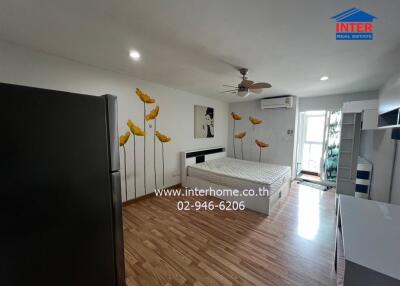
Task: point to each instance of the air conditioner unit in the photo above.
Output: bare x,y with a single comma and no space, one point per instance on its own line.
277,102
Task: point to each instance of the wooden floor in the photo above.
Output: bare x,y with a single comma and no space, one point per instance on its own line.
293,246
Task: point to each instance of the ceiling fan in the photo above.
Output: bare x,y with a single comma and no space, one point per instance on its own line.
246,86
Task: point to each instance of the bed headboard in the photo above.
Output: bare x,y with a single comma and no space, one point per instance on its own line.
199,156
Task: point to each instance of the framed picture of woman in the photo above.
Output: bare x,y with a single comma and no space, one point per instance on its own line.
203,122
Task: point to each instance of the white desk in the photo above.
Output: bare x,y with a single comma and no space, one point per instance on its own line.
370,241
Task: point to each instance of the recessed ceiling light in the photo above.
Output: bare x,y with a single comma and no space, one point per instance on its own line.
324,77
134,55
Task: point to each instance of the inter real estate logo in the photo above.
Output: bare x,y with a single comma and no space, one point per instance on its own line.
354,24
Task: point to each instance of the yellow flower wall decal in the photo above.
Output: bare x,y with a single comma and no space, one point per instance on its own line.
122,141
124,138
153,116
261,144
144,97
163,138
153,113
236,116
255,121
136,130
240,135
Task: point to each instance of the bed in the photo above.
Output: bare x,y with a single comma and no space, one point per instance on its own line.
211,168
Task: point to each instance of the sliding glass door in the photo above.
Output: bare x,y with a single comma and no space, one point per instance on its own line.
318,145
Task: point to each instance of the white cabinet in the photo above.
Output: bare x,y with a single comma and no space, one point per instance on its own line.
359,106
389,95
367,243
370,119
369,110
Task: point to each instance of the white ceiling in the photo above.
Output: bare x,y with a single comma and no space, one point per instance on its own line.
194,45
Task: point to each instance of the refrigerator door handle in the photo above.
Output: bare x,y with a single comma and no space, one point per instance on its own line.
118,228
112,120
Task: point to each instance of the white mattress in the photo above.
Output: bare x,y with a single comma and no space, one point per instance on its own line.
241,174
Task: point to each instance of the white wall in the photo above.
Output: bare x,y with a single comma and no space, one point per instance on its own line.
273,130
389,96
27,67
334,101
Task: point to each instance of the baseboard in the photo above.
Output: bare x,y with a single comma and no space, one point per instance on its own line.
147,196
131,201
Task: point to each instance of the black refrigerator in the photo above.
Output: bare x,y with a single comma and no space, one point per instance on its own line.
60,199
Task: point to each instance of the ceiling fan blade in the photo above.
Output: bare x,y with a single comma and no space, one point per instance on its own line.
259,85
246,83
235,86
232,90
258,91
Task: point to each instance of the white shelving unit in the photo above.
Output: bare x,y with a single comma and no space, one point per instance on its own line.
349,149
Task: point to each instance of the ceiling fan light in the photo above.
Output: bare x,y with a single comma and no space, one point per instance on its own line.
243,93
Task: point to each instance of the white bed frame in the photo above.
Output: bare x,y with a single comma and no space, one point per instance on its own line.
261,204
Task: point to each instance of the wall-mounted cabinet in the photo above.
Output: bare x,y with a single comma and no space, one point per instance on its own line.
390,119
368,109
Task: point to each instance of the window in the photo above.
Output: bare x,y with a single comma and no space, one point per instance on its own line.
314,130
